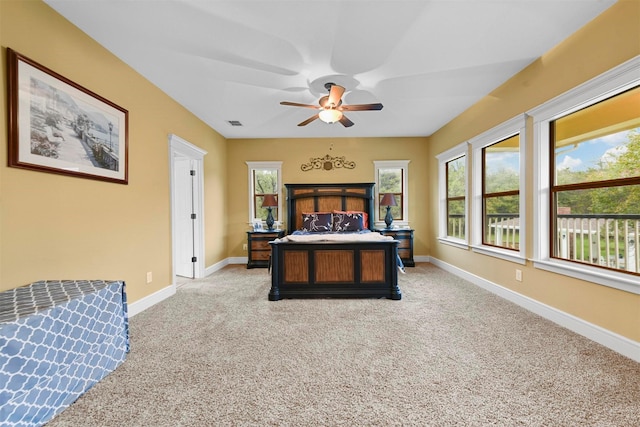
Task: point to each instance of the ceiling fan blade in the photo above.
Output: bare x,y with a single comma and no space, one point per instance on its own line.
295,104
361,107
346,122
335,94
309,120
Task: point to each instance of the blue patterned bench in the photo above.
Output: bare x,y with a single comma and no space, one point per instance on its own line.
57,339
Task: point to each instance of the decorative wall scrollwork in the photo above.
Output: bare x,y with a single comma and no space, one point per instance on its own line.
327,163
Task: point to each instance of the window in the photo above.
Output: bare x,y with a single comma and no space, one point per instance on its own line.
264,179
595,188
452,177
588,198
391,177
498,191
456,197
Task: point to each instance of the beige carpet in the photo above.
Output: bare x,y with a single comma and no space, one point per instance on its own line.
449,353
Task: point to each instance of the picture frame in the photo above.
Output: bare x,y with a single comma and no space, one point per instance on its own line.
58,126
257,224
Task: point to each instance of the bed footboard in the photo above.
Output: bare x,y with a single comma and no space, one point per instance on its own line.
334,270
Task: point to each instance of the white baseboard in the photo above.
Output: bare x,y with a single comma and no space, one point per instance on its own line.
215,267
220,265
615,342
421,258
150,300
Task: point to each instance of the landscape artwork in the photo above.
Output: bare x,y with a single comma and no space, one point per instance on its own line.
60,127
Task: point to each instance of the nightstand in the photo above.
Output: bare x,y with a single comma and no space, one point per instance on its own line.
258,249
405,247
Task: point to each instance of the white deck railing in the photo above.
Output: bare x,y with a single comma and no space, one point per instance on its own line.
503,230
608,240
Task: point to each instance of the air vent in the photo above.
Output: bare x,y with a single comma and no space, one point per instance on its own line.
234,122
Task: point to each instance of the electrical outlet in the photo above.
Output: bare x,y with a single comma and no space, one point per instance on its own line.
149,277
244,247
519,275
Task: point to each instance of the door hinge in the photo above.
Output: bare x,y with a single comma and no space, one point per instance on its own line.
193,216
194,259
192,172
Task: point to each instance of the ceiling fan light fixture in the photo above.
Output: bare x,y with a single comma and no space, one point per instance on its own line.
331,107
330,115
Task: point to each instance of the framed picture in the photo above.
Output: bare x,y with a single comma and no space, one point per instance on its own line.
57,126
257,224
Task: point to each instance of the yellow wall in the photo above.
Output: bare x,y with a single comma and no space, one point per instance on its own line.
609,40
58,227
295,152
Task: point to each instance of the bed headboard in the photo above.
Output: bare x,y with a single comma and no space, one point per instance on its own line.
303,198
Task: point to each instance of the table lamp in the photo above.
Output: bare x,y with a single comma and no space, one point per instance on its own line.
269,201
388,200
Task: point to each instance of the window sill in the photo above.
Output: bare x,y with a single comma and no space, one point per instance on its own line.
504,254
612,279
458,243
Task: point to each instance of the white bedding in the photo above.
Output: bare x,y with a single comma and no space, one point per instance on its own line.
335,237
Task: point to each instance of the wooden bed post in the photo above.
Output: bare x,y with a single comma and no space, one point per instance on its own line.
274,262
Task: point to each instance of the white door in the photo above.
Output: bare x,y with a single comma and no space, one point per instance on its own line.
184,221
187,208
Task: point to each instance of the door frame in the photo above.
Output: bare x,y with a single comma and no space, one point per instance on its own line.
179,147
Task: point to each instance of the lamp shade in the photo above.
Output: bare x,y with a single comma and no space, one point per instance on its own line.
269,201
330,115
388,199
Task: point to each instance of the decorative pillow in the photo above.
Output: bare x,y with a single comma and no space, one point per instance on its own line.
365,217
347,221
315,222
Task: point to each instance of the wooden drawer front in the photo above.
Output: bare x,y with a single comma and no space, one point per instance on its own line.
260,255
260,245
403,237
404,243
400,234
271,236
404,253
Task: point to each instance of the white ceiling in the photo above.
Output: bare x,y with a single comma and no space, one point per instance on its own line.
425,61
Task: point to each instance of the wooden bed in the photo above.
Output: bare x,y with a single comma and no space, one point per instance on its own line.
332,269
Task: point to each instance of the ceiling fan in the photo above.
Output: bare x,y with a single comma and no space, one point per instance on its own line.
331,107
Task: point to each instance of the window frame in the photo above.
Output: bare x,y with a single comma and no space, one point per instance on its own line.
606,85
512,127
460,150
392,164
253,166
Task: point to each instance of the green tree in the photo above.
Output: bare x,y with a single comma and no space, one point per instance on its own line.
390,181
503,205
456,177
503,179
266,181
619,199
